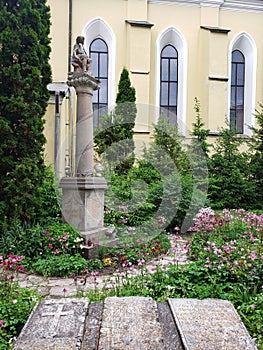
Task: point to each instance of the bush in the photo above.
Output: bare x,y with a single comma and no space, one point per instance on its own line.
41,241
230,182
60,265
53,250
16,303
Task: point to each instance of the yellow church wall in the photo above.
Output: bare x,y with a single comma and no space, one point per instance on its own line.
59,39
137,10
250,23
207,52
49,133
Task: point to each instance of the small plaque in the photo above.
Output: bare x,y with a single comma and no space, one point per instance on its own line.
210,324
54,324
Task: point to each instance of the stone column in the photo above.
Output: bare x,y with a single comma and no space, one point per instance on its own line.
83,193
84,85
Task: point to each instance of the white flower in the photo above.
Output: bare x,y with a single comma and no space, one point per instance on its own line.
78,239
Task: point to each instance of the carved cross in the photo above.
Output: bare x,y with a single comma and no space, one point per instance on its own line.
56,317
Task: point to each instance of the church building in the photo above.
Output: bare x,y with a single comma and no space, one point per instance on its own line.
175,51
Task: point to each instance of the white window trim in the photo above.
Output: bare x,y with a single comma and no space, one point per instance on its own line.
95,29
245,44
174,37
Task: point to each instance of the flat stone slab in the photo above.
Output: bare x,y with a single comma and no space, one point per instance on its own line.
134,323
54,325
172,339
130,323
210,324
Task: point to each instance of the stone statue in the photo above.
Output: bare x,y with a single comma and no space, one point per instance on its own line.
80,60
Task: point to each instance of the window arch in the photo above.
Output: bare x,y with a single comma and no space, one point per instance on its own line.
244,46
99,29
172,38
237,92
169,82
98,52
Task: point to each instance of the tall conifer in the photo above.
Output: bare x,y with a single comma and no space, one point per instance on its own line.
115,135
25,73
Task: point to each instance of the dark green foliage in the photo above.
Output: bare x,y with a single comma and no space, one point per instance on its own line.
126,93
60,266
198,152
256,163
230,182
25,73
168,139
199,132
38,242
114,138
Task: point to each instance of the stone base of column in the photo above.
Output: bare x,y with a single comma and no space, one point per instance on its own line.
83,208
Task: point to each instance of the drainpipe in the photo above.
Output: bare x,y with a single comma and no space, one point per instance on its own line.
69,34
69,164
57,131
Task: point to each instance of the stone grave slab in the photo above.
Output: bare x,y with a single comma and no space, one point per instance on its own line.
92,326
172,339
210,324
130,323
54,325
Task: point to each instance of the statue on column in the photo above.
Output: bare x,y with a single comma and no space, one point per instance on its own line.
80,60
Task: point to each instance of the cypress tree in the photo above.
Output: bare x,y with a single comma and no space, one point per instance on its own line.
115,136
25,73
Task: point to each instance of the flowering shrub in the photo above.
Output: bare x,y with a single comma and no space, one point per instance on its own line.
230,241
15,303
55,247
226,252
229,247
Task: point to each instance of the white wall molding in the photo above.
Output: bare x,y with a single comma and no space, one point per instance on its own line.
235,5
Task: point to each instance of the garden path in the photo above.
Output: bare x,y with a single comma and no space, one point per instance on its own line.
51,287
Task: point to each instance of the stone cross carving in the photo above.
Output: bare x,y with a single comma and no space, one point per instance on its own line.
56,318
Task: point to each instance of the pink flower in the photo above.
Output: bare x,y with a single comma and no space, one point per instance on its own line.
253,255
50,246
141,261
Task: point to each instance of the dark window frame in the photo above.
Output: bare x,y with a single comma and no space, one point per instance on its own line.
237,110
169,109
100,108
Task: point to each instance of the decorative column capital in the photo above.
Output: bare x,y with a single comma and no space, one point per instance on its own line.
83,82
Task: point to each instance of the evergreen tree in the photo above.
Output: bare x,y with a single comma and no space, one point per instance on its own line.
168,139
256,163
25,73
198,131
115,135
230,183
198,151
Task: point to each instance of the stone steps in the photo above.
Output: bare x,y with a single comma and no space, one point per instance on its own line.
134,323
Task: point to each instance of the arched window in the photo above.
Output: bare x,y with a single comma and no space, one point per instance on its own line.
169,82
98,53
171,76
237,92
242,85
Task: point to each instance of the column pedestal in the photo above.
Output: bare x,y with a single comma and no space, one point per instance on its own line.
83,208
